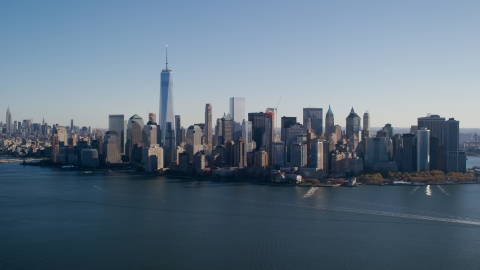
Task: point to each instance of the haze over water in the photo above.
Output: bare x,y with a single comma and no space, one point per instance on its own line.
55,219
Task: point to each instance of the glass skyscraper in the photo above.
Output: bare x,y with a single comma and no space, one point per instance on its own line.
116,123
166,115
237,111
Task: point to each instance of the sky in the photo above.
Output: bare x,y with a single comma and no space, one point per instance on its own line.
84,60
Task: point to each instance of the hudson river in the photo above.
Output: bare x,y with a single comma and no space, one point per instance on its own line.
53,219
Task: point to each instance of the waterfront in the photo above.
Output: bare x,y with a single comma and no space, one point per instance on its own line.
69,219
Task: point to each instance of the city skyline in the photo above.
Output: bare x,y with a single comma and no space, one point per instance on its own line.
380,57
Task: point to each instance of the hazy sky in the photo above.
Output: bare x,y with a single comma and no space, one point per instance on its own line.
84,60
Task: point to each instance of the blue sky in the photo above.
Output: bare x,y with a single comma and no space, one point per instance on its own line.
84,60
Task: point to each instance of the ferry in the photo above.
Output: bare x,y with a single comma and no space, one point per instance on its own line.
352,182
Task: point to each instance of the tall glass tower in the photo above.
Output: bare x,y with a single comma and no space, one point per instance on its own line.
166,116
237,111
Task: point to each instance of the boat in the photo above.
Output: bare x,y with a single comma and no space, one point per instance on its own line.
352,182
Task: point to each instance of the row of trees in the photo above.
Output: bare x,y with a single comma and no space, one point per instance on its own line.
427,176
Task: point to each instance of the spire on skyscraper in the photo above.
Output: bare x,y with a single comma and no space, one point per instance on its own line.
166,57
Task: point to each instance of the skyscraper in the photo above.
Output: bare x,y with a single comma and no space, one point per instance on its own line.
436,125
116,123
134,143
193,140
8,123
166,116
286,122
227,128
353,124
329,123
247,134
316,118
237,112
366,120
178,133
423,149
208,126
269,133
258,128
452,134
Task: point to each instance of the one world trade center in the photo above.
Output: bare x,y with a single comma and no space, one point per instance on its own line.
166,116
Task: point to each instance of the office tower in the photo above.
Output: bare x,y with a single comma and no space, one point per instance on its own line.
219,132
208,126
116,123
366,120
434,147
8,123
227,128
61,135
149,135
152,119
247,134
316,154
388,130
261,159
409,155
71,125
240,153
269,133
316,118
278,158
178,133
329,123
111,151
166,115
229,153
134,143
338,133
237,112
377,151
291,135
154,158
258,128
353,123
423,149
435,124
452,135
286,122
298,155
193,140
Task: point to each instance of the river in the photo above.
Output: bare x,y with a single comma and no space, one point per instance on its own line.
54,219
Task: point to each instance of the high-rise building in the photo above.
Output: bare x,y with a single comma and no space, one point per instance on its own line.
237,112
353,124
423,149
208,126
377,151
61,134
116,123
178,127
316,154
111,151
329,123
258,128
298,155
316,119
366,120
452,157
193,140
269,133
247,134
8,123
152,119
278,158
388,130
286,122
227,128
166,115
409,155
435,124
240,153
134,143
219,132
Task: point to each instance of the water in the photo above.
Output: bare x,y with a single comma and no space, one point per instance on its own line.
56,219
472,161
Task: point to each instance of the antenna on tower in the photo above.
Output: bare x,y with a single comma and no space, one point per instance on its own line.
166,57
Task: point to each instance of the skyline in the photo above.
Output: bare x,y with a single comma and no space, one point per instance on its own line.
68,60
